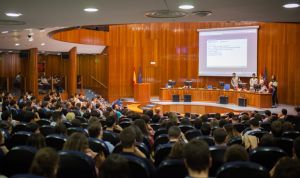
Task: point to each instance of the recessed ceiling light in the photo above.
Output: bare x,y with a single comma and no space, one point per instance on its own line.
10,51
43,44
186,6
91,9
30,39
17,44
291,5
13,14
3,32
43,30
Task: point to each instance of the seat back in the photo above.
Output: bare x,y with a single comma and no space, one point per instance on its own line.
190,134
141,146
18,160
125,124
266,156
137,167
161,139
42,122
82,119
155,126
171,168
291,134
266,126
242,169
185,128
110,137
160,131
217,155
162,153
239,127
26,176
286,144
235,140
75,164
19,127
56,141
18,139
47,130
98,146
258,134
71,130
209,140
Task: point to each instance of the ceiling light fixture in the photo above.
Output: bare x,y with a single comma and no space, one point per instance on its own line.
43,44
13,14
90,9
186,6
30,39
17,44
3,32
291,4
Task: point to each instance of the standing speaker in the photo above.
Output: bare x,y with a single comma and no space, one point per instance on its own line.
223,99
187,98
242,102
175,98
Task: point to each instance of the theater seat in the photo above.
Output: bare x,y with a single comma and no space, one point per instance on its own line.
159,132
125,124
137,167
209,140
161,139
75,164
98,146
26,176
235,140
110,137
189,135
18,160
56,141
258,134
72,130
242,170
162,153
266,126
42,122
18,139
19,127
47,130
185,128
141,146
171,168
217,155
266,156
291,134
155,126
286,144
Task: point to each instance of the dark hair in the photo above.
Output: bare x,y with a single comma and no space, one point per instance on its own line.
94,129
76,123
284,111
60,128
36,140
276,128
206,129
142,125
297,147
268,113
127,137
222,123
115,166
185,121
267,140
197,156
254,122
198,123
5,115
32,127
287,168
77,142
176,151
110,121
219,135
174,132
45,163
235,153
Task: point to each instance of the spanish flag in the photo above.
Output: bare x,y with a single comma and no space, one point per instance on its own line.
134,76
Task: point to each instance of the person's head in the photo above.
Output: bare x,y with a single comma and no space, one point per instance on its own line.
127,137
174,133
36,140
76,123
70,116
142,125
95,130
297,109
234,74
276,128
45,163
110,121
253,75
219,136
197,157
33,127
60,128
235,153
267,140
198,123
254,123
287,126
284,111
296,148
6,115
176,151
273,77
205,129
287,167
115,166
185,121
77,142
268,113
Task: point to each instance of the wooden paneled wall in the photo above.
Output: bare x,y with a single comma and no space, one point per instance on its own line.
174,48
10,65
54,64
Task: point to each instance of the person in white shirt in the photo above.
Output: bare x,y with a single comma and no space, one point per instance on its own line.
235,80
253,81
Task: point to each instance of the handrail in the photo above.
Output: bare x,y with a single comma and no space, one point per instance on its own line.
98,82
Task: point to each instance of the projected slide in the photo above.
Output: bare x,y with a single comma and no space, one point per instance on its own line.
223,51
227,53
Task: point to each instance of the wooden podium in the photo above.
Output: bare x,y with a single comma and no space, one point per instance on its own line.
141,92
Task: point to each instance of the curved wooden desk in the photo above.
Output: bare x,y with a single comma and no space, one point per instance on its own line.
259,100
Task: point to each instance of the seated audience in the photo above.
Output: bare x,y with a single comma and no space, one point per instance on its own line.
220,135
197,158
115,166
254,125
36,140
235,153
176,151
276,128
95,131
286,168
45,163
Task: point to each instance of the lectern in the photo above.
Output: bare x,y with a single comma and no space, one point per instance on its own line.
141,92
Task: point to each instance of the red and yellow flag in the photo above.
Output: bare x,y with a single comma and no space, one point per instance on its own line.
134,76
